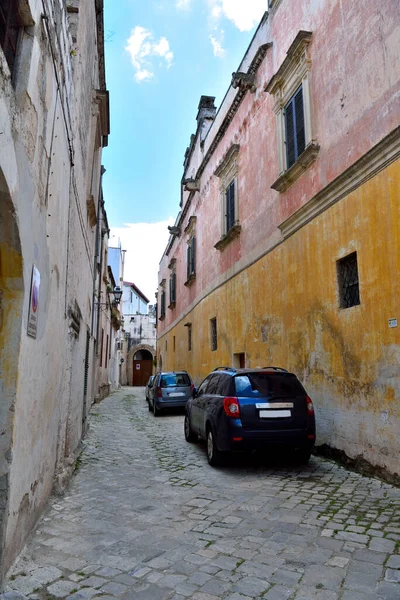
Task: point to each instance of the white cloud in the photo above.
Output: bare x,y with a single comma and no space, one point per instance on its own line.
183,4
245,15
142,47
217,46
144,244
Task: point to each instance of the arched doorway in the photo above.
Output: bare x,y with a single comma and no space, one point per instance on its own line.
140,364
11,309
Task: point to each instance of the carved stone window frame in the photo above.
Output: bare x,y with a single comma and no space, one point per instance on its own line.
294,72
227,172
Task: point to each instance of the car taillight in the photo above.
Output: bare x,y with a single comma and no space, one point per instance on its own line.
192,388
310,406
158,392
231,407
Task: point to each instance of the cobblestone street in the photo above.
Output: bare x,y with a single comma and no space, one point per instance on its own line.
146,518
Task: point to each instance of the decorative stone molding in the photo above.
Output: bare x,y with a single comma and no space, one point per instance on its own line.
172,264
190,228
375,160
229,162
174,230
190,280
91,211
191,185
244,81
293,73
228,237
305,159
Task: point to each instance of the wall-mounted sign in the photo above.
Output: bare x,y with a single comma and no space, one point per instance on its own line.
137,367
33,303
392,322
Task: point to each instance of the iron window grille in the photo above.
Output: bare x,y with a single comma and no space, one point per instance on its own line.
191,257
294,127
213,331
189,337
10,28
349,291
230,205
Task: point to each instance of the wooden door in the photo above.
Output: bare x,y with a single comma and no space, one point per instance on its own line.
142,369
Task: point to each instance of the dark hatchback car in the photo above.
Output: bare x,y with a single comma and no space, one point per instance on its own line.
251,409
171,389
149,385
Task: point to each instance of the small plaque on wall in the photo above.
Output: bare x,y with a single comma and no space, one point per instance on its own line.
392,322
33,303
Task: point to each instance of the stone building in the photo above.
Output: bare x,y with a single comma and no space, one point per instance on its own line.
139,335
54,122
286,248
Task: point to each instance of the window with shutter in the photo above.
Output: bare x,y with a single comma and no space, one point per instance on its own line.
291,88
172,289
230,206
191,259
162,305
294,127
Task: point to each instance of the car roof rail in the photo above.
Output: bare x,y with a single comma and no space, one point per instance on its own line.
224,369
276,369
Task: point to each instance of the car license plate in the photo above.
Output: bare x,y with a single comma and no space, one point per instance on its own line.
274,405
175,394
274,414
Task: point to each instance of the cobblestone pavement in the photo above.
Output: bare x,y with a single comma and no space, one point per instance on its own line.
146,518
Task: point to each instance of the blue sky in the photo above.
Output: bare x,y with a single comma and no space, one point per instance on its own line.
161,56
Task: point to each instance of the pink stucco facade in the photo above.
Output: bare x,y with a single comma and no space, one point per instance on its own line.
272,283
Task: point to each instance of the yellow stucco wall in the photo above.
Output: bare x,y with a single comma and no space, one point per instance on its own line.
349,359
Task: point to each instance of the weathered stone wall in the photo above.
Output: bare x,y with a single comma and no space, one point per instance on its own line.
49,128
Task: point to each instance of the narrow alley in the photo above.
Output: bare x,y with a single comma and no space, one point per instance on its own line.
146,518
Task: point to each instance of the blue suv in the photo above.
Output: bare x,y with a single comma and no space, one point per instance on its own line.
251,409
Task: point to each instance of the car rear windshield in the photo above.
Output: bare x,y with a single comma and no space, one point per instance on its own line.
268,384
175,380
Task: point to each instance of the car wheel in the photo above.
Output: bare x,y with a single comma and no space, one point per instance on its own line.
213,454
156,411
303,456
190,435
149,406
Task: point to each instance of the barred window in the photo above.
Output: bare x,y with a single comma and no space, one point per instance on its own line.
347,270
189,338
10,28
213,334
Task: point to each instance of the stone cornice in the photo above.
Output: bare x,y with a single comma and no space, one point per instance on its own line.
366,167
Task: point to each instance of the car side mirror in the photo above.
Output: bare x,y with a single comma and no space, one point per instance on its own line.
194,391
